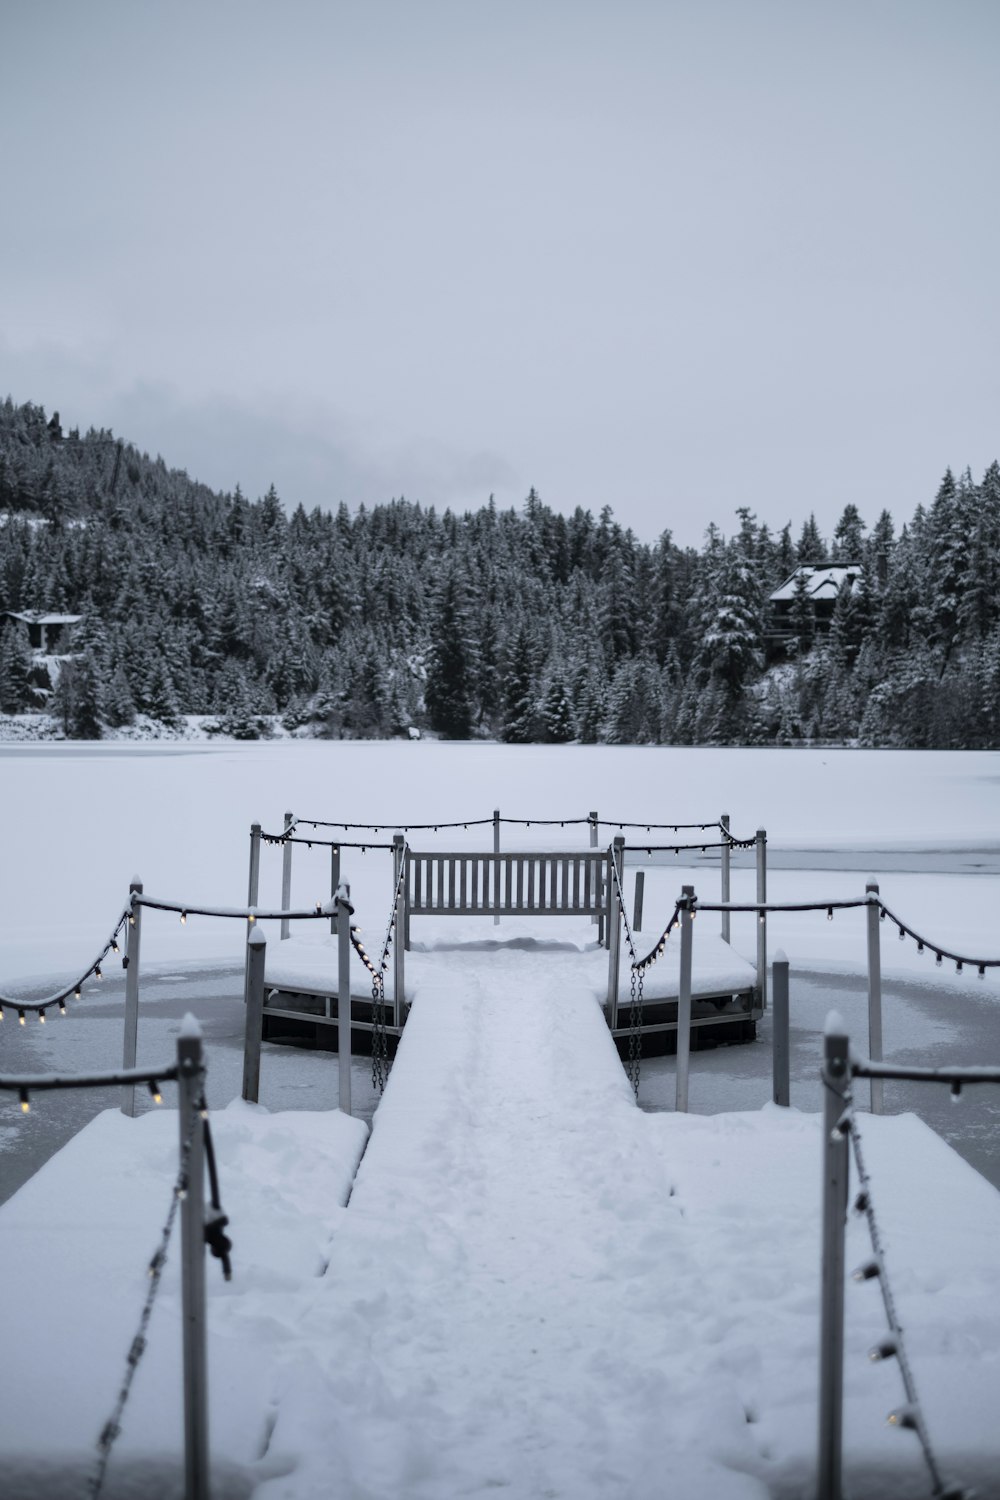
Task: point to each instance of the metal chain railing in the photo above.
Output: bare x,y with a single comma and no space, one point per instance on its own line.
910,1415
634,1063
113,1426
380,1043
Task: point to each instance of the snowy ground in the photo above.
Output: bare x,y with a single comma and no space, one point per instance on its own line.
413,1373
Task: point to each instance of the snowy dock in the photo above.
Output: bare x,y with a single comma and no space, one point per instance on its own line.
301,981
535,1287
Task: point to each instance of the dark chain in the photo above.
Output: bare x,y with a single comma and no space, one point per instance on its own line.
912,1414
380,1043
635,1029
112,1427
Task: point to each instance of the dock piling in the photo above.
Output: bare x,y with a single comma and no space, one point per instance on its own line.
779,1030
836,1168
344,997
286,874
684,1001
133,930
874,990
253,1019
761,849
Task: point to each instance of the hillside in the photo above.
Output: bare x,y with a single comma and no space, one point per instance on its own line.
522,625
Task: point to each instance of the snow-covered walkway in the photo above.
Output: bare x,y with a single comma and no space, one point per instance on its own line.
540,1290
536,1288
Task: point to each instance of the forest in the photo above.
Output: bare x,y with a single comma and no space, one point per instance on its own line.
521,625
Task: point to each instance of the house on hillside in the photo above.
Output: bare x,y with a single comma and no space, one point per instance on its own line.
46,632
818,584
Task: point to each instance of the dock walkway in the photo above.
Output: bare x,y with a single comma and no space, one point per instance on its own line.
538,1289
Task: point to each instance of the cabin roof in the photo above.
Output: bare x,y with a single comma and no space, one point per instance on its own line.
824,580
40,617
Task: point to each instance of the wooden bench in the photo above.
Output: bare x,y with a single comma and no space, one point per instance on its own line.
513,883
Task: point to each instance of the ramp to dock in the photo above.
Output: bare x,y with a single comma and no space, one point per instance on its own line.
537,1289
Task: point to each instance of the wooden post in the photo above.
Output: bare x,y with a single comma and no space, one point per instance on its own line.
684,1001
253,1019
286,875
133,934
640,887
253,884
781,1074
496,867
762,917
726,863
398,959
253,892
334,882
195,1361
874,990
399,932
617,856
344,997
836,1168
593,820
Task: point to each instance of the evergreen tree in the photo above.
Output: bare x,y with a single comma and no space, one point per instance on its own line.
450,665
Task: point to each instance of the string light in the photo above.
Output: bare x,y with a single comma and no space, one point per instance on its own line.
76,993
62,1005
861,1203
97,972
937,959
903,1416
154,1089
184,917
41,1016
25,1104
829,914
20,1016
956,1092
867,1271
884,1349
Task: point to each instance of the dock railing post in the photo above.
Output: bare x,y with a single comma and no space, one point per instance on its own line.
334,882
253,883
684,1000
779,1030
496,867
190,1084
761,847
617,856
874,989
253,890
836,1168
592,819
253,1017
345,912
726,875
399,932
286,874
640,887
133,934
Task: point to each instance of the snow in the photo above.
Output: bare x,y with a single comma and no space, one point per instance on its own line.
536,1287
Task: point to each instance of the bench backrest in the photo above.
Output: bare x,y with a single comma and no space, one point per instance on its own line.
517,884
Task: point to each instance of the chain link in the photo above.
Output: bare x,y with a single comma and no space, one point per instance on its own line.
635,1029
865,1204
111,1430
380,1041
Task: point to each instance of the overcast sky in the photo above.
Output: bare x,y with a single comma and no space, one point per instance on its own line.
673,257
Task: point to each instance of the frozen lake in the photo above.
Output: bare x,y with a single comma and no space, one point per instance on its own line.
79,821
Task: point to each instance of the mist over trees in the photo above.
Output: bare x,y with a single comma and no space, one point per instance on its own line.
524,625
